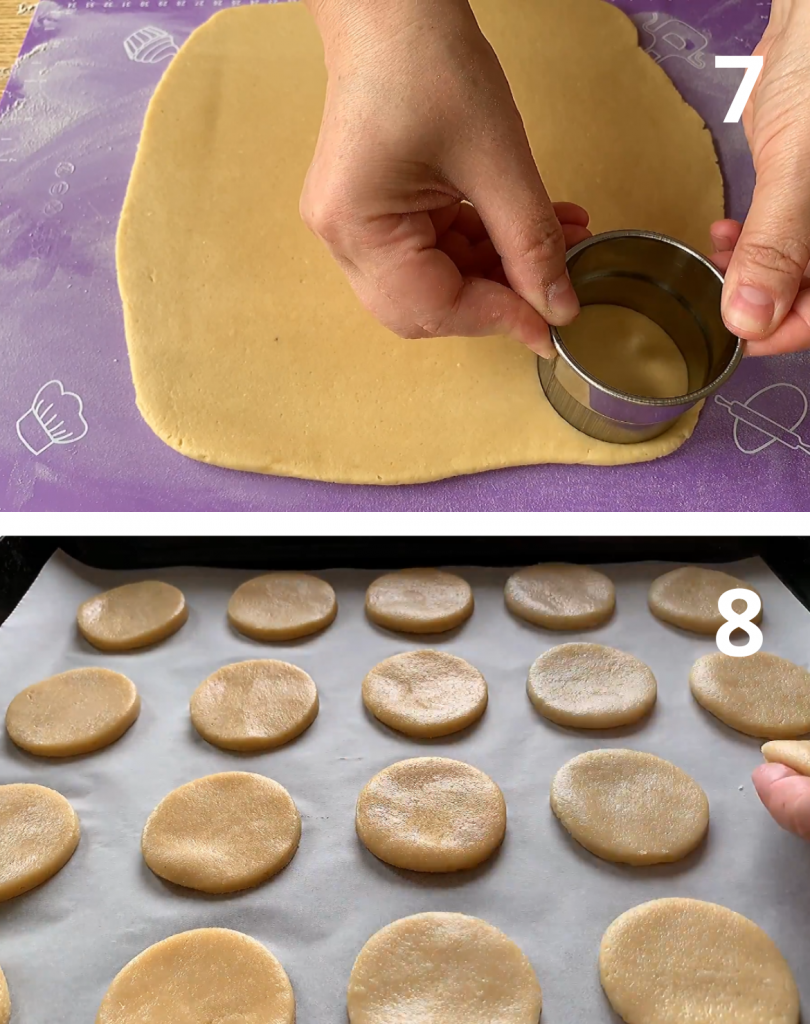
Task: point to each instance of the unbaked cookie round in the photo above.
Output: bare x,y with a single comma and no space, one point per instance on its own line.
135,615
419,601
440,968
793,753
630,807
761,695
688,597
5,1000
677,960
222,833
74,712
431,814
198,977
282,606
254,705
558,596
425,693
589,686
39,832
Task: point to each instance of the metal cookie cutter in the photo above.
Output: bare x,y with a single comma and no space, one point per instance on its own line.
675,287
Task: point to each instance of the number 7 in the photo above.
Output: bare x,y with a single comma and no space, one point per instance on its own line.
753,66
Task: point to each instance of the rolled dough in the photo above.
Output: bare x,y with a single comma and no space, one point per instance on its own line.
74,712
425,693
5,1000
630,807
135,615
431,814
589,686
282,606
39,832
419,601
205,976
222,833
761,695
247,346
687,597
627,351
440,968
794,753
254,705
677,960
558,596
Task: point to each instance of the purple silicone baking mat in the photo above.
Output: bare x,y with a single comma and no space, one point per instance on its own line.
71,438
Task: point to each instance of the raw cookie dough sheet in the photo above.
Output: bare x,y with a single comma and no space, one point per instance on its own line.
62,944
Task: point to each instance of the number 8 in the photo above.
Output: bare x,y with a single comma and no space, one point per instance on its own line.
753,604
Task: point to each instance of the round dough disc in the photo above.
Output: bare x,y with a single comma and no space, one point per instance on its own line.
761,695
425,693
282,606
558,596
688,597
5,1000
198,977
431,814
793,753
677,960
589,686
419,601
135,615
39,832
222,833
440,968
630,807
254,705
74,712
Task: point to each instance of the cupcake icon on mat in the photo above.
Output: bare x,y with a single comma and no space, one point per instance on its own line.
55,417
150,45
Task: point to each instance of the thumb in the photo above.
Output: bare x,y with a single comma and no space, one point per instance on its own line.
514,206
772,253
786,794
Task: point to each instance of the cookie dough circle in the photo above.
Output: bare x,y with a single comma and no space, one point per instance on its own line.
762,695
198,977
39,831
431,814
282,606
222,833
440,968
5,1000
589,686
425,693
688,597
74,712
677,960
793,753
254,705
135,615
557,596
630,807
419,601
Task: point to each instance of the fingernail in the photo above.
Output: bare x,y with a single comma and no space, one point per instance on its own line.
563,303
750,310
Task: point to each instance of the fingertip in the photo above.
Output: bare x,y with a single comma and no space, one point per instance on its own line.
765,775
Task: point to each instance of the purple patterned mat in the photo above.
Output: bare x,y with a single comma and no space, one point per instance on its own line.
71,438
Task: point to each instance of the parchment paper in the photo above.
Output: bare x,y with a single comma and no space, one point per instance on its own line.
61,945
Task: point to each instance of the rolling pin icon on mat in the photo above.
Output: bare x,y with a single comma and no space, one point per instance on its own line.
773,431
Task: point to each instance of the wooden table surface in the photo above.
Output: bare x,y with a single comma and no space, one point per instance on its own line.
14,20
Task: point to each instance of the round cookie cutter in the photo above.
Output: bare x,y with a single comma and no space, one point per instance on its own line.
676,288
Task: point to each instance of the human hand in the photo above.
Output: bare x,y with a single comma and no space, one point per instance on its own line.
766,297
423,185
786,794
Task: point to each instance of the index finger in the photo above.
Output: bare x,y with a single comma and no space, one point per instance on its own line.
786,795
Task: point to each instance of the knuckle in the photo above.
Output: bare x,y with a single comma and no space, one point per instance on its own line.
543,244
787,257
323,216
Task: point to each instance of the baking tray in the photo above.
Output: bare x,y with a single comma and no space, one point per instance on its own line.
69,125
62,944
